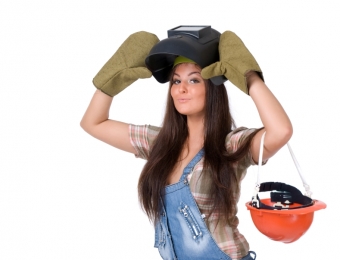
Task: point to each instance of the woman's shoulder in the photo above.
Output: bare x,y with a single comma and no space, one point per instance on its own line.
236,137
146,132
144,128
142,138
153,128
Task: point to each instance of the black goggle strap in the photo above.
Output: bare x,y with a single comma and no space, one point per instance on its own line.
283,195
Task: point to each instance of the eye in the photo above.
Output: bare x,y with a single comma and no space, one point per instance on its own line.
194,81
175,81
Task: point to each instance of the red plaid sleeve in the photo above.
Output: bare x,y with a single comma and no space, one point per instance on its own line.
141,138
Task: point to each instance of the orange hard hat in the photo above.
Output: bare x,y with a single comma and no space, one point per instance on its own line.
286,216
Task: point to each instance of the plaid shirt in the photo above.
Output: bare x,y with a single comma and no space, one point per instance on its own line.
227,237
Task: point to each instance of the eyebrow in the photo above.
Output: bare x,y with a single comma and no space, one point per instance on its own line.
194,72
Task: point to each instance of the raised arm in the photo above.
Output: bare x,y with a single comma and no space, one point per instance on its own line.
122,69
96,122
275,120
240,67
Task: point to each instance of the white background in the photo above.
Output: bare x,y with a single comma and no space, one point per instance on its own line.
66,195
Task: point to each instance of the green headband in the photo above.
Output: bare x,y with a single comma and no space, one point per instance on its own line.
181,59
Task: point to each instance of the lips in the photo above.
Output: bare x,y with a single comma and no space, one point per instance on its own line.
183,100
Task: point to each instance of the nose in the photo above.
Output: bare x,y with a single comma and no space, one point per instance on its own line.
183,87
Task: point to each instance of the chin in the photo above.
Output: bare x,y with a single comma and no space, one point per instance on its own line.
182,113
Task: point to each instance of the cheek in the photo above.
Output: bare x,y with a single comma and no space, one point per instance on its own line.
203,100
172,91
201,93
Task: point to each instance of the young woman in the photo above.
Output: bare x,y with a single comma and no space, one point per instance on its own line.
189,186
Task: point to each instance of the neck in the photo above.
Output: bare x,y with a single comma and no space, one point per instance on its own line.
196,130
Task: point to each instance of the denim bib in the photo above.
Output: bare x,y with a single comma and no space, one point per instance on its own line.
181,232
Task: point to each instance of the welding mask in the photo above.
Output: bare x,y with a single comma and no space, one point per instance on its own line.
197,43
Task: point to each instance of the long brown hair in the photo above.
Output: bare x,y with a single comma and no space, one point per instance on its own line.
167,147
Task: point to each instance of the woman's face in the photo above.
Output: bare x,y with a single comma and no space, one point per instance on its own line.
188,90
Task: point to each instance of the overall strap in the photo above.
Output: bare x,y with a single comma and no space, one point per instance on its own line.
192,164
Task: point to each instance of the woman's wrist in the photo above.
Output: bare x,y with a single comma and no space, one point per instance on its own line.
252,77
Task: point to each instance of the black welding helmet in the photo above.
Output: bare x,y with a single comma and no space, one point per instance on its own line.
197,43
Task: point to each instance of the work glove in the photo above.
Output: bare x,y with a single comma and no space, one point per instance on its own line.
235,62
126,65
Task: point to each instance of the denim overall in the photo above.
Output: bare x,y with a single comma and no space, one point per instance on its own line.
181,233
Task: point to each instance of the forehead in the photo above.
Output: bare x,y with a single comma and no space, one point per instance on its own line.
185,68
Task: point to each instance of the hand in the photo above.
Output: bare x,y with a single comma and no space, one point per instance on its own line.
235,62
126,65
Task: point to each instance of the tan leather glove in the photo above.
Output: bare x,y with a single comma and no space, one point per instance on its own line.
126,65
235,61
